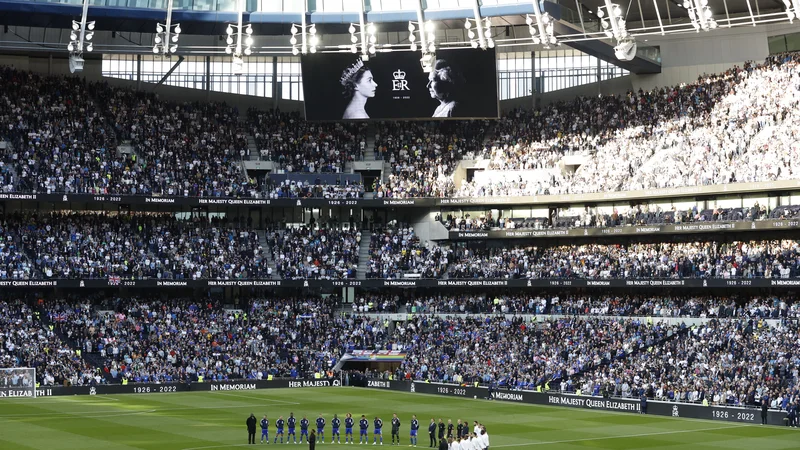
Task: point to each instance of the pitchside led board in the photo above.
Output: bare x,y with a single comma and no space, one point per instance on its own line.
340,86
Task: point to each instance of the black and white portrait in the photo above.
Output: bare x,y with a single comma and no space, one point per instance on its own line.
446,84
359,86
459,83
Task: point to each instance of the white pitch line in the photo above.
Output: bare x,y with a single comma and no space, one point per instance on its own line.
606,438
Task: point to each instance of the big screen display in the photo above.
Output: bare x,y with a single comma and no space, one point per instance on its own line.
340,86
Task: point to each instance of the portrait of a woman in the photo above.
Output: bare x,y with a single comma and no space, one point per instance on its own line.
359,86
445,84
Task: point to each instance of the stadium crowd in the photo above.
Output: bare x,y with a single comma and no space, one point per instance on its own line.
294,189
733,358
148,340
739,126
180,149
306,147
98,245
323,253
635,216
733,362
397,252
423,155
61,140
748,259
160,246
571,304
511,352
26,341
57,138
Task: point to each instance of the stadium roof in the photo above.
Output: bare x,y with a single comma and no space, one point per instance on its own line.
577,23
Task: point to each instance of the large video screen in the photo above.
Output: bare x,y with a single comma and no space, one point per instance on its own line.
340,86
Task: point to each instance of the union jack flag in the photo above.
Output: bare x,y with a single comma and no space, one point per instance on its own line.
114,280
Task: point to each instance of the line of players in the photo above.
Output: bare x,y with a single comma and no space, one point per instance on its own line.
291,424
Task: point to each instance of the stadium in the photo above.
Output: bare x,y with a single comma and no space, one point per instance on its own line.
449,224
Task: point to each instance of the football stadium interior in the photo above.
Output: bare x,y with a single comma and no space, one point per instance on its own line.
483,223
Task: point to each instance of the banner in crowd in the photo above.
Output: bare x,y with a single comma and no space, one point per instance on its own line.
658,408
644,230
411,283
460,83
454,202
154,388
671,229
376,355
14,392
686,410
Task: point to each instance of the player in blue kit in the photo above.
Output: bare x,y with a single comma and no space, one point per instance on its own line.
320,429
290,423
335,424
264,430
304,429
279,432
348,429
364,425
378,423
414,429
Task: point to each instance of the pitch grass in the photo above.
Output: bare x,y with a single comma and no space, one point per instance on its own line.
216,421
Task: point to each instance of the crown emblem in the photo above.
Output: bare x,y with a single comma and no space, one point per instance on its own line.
399,75
350,71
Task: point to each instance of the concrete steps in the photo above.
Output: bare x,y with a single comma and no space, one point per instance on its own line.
252,148
363,255
369,142
262,239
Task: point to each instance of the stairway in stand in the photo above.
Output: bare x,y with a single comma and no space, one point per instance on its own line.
92,359
262,239
252,147
363,255
369,143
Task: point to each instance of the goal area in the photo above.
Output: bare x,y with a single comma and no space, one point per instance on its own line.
17,382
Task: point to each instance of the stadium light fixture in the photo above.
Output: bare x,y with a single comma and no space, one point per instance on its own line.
367,35
540,26
613,23
426,43
80,40
792,9
166,38
427,38
477,33
243,42
541,30
700,15
308,42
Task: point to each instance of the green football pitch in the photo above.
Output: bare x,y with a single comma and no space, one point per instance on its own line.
216,420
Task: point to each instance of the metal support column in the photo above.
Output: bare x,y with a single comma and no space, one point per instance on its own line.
172,69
